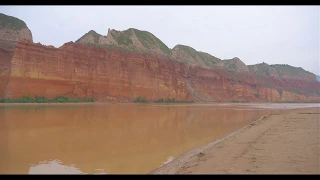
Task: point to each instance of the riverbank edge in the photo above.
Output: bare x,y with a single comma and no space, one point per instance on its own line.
195,103
180,160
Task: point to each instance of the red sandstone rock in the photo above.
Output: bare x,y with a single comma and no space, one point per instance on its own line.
112,75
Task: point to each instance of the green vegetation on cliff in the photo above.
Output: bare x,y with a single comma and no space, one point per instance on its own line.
285,68
149,44
94,34
172,100
144,42
140,99
11,22
124,38
234,65
281,70
12,30
149,41
208,57
189,50
262,69
198,57
44,99
280,91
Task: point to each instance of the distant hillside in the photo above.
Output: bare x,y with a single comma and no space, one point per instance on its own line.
190,57
281,70
131,40
144,42
318,78
12,30
263,69
287,71
234,64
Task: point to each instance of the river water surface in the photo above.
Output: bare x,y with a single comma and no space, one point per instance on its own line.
114,138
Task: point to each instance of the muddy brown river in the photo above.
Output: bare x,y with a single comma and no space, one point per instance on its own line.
114,138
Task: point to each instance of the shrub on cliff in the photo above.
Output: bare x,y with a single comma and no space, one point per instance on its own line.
60,99
40,99
140,99
22,99
280,91
26,98
44,99
173,100
159,100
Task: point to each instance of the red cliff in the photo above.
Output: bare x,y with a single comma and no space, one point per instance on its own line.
113,75
80,70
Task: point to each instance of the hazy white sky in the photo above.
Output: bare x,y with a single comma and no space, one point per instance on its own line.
255,34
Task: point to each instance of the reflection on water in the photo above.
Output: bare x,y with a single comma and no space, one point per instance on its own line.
57,167
117,138
53,167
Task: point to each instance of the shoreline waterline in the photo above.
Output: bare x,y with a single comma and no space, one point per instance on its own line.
107,136
183,162
180,159
152,103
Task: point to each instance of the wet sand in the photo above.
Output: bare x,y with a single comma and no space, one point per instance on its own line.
285,143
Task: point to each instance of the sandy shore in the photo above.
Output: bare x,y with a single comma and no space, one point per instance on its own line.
286,143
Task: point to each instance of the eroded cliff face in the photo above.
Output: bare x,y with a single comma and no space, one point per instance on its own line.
190,57
283,71
12,30
144,42
112,75
234,64
5,67
133,40
80,70
130,63
290,72
263,69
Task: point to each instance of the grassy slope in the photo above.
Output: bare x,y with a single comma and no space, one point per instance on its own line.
208,59
11,22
